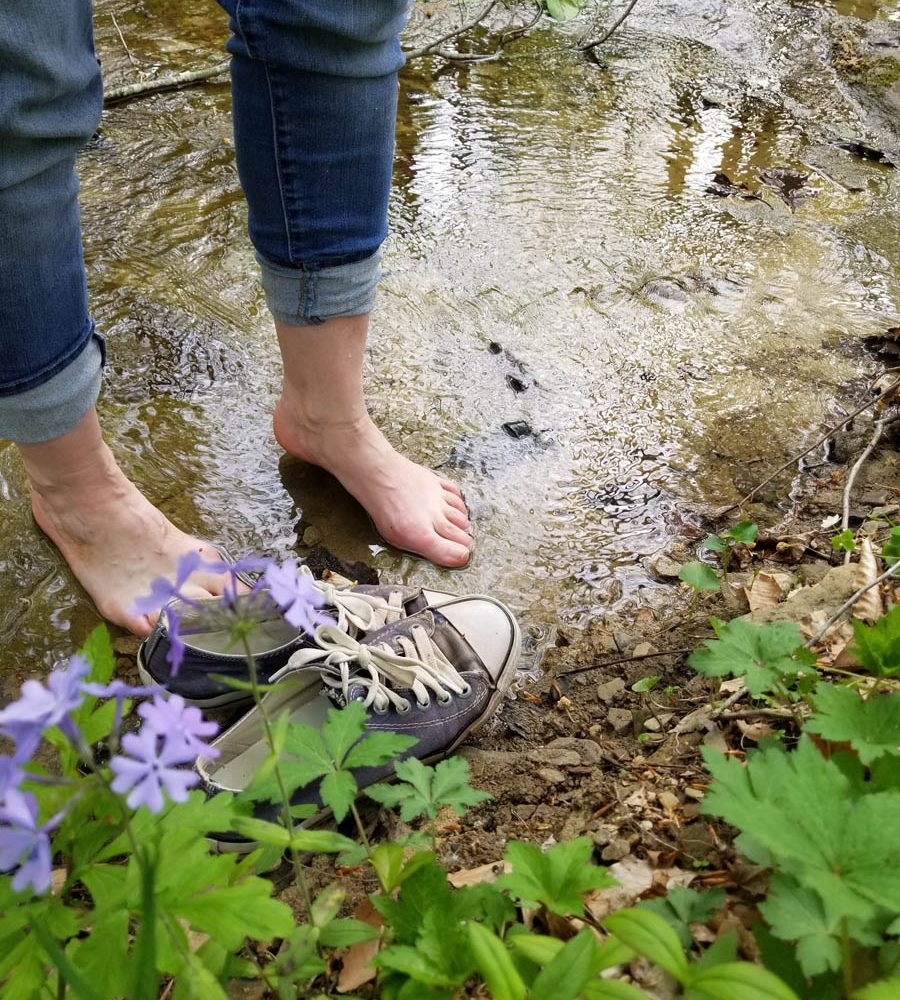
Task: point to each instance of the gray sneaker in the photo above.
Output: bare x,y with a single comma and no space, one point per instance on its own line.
437,675
357,610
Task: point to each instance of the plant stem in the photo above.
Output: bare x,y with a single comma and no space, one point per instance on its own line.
361,829
847,962
299,877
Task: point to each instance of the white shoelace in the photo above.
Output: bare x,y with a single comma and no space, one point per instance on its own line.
421,668
364,612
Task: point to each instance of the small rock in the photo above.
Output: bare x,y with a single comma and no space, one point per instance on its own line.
603,835
312,536
595,730
652,725
887,511
587,750
668,800
126,645
551,775
620,719
615,850
555,756
665,568
644,649
609,690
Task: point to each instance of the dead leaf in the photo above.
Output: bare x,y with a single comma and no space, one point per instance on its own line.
357,967
764,592
754,731
724,187
636,879
788,184
474,876
870,606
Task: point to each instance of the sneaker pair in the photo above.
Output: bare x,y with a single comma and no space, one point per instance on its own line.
424,663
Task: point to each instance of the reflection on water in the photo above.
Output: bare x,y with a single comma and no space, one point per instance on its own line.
557,263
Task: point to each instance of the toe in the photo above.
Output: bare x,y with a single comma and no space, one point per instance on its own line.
455,500
450,531
139,625
456,517
451,487
450,554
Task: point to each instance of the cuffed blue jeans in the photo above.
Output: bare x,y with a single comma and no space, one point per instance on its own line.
314,85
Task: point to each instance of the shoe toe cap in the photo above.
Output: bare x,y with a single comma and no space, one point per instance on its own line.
490,628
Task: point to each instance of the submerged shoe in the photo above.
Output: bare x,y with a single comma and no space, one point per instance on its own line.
206,632
438,675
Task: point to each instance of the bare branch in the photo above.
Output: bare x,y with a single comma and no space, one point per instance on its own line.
163,83
851,478
432,46
891,571
589,48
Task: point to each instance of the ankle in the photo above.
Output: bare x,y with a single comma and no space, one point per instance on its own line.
310,418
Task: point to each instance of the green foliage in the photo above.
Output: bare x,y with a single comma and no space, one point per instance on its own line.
871,726
557,878
650,935
699,576
423,790
310,754
563,10
878,646
890,551
845,541
646,684
769,657
681,907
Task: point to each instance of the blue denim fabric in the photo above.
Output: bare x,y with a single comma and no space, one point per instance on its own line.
50,99
315,91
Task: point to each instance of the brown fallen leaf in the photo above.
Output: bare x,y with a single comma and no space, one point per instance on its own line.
764,592
483,873
356,967
870,606
754,731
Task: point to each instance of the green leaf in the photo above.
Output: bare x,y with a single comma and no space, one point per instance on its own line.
102,957
767,656
742,981
98,651
611,989
890,551
681,907
744,532
537,948
378,748
425,888
558,878
844,542
646,684
262,832
802,810
347,931
321,841
884,989
338,790
649,935
493,962
795,913
233,913
342,728
714,543
878,646
699,576
565,976
423,790
872,727
563,10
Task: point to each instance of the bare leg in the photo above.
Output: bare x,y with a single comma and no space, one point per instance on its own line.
114,540
321,418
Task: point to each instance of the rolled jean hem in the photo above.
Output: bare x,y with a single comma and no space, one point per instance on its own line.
56,406
307,296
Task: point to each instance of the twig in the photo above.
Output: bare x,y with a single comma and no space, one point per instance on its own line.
732,699
589,48
162,83
793,461
891,571
755,713
451,55
124,43
624,659
851,478
461,30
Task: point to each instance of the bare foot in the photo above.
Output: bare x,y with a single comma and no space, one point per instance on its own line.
114,540
413,509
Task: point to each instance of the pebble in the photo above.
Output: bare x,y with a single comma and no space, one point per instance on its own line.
587,750
551,775
620,719
652,725
616,849
555,756
665,568
312,536
609,690
644,649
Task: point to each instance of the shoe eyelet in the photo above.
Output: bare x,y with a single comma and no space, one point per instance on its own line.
466,691
424,704
403,708
445,699
379,711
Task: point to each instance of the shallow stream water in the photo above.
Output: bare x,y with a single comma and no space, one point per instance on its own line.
555,261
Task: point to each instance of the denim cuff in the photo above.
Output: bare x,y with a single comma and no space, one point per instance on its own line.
301,297
54,407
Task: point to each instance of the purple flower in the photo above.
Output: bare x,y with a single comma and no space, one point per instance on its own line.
296,594
120,691
149,771
179,724
39,707
10,776
23,843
